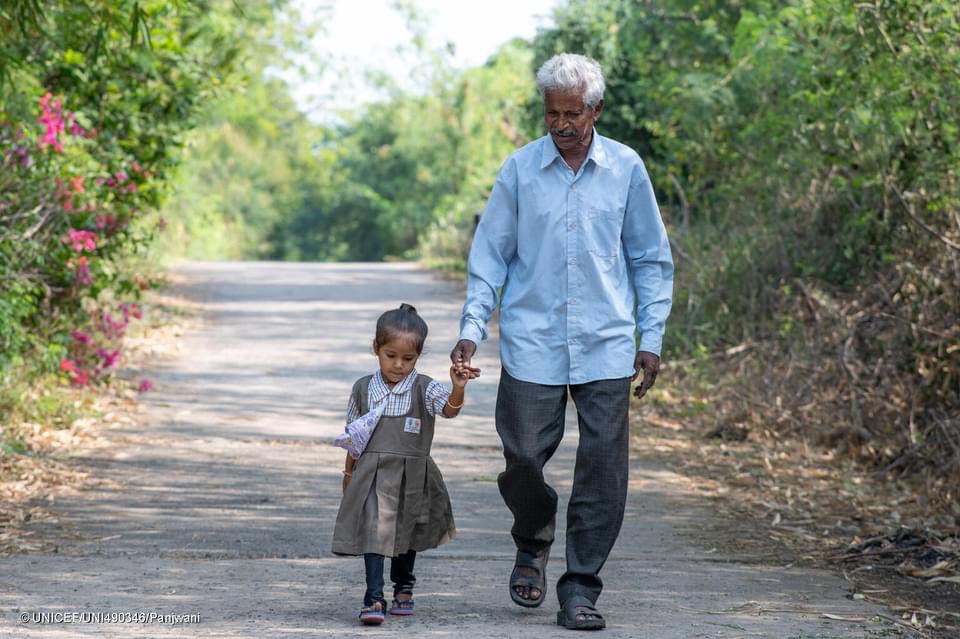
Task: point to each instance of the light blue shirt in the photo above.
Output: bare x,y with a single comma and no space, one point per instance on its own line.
581,262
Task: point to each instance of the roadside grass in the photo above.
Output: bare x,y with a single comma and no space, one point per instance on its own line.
773,491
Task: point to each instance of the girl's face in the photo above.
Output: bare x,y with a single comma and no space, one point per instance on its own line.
397,357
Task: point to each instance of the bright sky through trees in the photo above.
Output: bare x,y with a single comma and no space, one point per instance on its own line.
373,35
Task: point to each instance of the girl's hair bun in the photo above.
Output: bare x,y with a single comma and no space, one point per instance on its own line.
400,321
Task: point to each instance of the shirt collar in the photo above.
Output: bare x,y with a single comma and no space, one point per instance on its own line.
379,388
597,152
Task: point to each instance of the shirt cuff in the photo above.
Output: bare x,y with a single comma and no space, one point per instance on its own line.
651,342
469,331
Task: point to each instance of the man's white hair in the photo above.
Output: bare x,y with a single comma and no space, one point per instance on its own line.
572,72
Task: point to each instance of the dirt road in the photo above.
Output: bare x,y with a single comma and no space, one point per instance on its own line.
221,503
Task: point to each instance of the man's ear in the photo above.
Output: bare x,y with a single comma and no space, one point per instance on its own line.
597,109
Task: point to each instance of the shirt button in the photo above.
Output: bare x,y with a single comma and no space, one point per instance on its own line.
572,261
572,225
572,301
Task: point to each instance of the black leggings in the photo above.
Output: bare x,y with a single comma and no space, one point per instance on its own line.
401,574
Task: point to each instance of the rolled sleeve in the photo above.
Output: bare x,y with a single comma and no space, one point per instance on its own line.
436,395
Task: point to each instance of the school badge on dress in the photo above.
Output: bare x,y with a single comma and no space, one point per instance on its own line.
412,426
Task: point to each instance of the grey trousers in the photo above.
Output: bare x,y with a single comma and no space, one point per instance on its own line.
530,422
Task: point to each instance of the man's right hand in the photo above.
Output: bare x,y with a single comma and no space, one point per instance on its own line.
462,353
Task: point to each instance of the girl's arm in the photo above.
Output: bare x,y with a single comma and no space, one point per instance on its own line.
347,471
459,379
454,402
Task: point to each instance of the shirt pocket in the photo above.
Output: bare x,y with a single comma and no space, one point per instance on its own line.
602,233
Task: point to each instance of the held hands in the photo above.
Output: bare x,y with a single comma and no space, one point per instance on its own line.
462,353
461,369
459,376
649,364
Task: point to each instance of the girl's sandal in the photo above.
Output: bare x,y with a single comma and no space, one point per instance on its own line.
372,615
399,607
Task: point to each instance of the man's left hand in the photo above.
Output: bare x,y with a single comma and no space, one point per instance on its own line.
649,364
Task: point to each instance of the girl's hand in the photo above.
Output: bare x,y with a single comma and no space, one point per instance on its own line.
459,376
346,482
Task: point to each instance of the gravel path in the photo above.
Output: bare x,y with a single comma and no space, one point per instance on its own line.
221,503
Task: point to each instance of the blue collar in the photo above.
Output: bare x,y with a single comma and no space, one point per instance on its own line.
597,152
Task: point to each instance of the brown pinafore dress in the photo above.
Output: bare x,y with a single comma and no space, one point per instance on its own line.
396,500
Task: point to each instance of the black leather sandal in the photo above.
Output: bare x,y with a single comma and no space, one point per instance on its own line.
538,581
580,606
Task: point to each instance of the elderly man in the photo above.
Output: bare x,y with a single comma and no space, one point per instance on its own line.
572,246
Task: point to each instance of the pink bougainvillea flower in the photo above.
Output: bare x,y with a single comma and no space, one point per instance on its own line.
80,337
112,328
136,167
108,358
121,176
145,385
131,187
161,223
106,222
68,365
80,378
77,184
51,118
99,181
75,129
131,309
82,240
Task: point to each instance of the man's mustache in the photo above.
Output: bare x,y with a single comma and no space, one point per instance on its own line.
563,134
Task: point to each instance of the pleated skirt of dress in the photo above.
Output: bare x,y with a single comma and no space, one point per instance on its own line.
394,503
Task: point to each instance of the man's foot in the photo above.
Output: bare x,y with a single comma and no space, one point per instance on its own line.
528,581
528,593
578,613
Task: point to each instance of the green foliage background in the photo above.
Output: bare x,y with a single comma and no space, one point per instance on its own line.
806,159
805,154
136,77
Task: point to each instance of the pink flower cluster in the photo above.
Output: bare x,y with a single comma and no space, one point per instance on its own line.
81,240
54,124
51,118
78,377
95,352
121,182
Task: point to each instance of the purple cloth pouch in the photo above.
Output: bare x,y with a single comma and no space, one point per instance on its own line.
357,433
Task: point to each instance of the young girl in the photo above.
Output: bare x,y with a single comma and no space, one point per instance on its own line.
394,500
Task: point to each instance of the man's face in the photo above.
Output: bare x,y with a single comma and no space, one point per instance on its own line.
569,121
